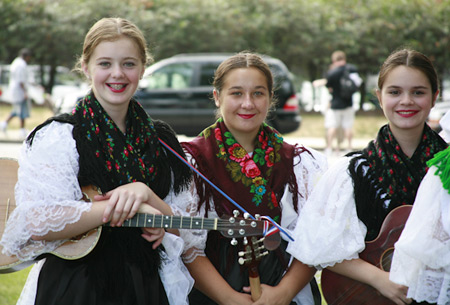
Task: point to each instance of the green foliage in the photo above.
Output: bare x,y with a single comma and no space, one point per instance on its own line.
302,33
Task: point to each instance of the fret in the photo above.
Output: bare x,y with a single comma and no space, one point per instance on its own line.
190,227
153,223
181,222
171,218
203,219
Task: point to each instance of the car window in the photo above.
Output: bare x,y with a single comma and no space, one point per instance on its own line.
207,73
175,76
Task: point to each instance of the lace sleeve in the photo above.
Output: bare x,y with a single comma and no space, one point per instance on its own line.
47,192
328,230
186,204
422,254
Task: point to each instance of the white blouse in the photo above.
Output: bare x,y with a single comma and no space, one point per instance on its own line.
48,197
328,230
422,254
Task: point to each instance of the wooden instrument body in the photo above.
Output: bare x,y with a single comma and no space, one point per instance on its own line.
338,289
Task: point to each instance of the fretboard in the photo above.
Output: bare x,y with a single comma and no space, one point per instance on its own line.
171,222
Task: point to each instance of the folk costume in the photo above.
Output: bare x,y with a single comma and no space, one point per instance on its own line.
274,180
350,202
422,254
87,148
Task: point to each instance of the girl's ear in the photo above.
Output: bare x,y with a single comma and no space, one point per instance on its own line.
435,98
378,93
85,69
216,98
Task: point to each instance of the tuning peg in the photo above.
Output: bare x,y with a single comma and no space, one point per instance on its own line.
232,219
234,242
246,215
235,213
257,256
257,216
245,241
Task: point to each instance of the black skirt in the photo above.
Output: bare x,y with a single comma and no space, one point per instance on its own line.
225,257
121,270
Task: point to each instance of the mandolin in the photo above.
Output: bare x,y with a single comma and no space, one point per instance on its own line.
338,289
80,246
254,251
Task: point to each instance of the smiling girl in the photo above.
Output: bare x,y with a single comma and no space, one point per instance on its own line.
351,201
108,142
252,164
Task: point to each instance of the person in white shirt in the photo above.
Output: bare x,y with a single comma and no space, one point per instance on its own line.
18,90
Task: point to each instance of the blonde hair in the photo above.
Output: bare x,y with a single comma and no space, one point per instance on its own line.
111,29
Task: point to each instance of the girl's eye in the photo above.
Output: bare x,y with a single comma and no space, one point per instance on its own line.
258,93
394,92
104,64
418,93
129,64
237,93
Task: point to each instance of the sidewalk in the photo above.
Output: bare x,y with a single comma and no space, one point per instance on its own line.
13,136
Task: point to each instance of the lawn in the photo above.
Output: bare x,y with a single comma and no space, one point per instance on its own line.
11,285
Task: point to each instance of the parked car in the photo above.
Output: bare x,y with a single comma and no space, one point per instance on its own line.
178,90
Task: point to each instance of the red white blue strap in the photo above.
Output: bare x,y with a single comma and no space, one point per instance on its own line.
267,231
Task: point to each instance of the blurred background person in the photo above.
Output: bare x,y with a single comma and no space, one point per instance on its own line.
18,89
342,81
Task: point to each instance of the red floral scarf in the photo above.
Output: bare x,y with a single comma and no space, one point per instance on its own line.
254,180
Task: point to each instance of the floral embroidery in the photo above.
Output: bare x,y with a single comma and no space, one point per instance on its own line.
244,168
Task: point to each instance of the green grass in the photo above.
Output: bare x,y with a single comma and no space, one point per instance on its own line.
366,125
11,285
38,115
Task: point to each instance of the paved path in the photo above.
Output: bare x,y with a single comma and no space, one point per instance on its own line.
10,144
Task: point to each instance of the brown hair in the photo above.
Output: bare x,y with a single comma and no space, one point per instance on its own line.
411,59
243,59
111,29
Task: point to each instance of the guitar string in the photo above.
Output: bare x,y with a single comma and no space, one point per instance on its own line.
222,192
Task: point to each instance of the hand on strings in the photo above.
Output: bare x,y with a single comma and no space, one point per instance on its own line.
155,235
124,202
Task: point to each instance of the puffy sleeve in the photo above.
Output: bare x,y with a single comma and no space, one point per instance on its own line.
328,230
48,196
308,168
422,254
187,205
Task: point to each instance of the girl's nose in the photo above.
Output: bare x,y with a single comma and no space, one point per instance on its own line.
248,102
407,99
117,71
